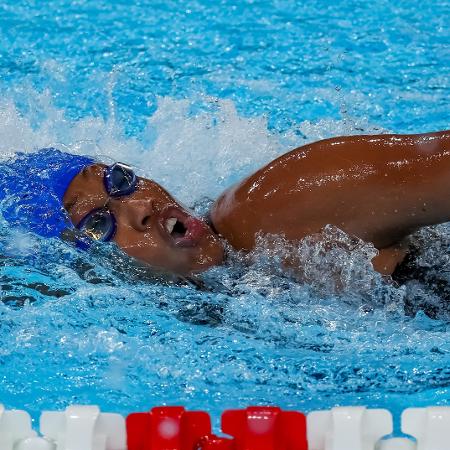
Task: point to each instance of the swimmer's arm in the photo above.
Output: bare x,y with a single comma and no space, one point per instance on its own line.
379,188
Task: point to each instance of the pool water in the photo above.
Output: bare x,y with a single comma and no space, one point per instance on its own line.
196,95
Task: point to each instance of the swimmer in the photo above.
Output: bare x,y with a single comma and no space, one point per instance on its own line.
378,188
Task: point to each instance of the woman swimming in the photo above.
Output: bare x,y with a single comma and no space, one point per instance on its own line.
379,188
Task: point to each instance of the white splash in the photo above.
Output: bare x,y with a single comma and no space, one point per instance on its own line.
193,155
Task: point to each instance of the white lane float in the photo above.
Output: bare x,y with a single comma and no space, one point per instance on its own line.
253,428
349,428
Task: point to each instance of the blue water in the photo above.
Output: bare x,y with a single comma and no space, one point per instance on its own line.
197,95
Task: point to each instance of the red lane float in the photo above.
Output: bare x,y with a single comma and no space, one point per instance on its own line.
265,428
213,442
257,427
167,427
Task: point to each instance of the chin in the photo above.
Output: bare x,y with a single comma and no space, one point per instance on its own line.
213,254
179,258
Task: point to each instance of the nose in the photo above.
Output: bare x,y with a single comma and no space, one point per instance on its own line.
137,213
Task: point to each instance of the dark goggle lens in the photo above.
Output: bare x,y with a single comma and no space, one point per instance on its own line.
120,180
98,225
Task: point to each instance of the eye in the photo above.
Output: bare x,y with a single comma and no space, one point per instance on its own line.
99,225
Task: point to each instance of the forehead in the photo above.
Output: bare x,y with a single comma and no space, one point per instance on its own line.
90,180
86,189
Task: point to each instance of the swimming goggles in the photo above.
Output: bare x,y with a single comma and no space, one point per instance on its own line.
100,224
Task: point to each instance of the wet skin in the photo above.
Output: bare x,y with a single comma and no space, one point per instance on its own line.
143,219
378,188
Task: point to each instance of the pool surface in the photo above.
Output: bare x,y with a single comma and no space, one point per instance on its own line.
197,95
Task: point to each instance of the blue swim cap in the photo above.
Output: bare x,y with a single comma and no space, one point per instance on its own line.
32,187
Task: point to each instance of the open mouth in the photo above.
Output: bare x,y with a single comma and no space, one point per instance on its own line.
181,228
175,228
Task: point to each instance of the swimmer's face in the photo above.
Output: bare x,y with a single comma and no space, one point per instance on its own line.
150,225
